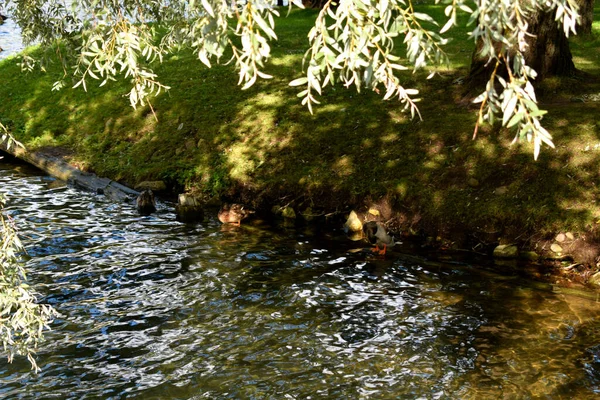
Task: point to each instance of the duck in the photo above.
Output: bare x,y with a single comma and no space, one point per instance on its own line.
233,213
377,235
3,18
145,203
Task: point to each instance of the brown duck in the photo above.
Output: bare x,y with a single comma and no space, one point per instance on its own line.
377,235
233,213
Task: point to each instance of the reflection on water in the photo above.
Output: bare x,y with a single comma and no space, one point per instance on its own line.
154,309
10,38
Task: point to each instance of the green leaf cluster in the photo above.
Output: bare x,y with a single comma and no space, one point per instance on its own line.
22,319
358,43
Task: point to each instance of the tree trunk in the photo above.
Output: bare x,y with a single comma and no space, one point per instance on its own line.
548,53
314,3
586,10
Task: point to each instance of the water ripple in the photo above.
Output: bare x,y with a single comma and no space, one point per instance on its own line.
152,308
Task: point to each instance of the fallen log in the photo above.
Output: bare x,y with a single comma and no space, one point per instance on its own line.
58,168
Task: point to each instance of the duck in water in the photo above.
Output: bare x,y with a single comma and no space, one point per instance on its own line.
233,213
377,235
145,203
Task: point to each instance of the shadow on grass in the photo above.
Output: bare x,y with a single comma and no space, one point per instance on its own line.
263,147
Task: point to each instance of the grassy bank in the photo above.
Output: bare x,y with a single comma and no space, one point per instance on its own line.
262,146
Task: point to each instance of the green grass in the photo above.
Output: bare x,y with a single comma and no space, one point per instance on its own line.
263,146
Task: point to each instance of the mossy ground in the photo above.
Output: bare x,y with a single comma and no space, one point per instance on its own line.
262,146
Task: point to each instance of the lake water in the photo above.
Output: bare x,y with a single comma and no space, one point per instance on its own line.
151,308
10,39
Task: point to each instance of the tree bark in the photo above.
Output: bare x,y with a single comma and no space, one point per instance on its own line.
548,53
586,10
314,3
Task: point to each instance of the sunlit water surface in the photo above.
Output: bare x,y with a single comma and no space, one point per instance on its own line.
151,308
10,38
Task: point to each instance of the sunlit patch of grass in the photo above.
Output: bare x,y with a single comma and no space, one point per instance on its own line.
343,166
290,60
45,139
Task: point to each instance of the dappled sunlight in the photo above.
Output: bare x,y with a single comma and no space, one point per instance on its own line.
487,147
431,165
583,63
582,159
343,166
328,109
587,49
438,199
248,154
402,188
260,135
390,138
213,138
45,139
243,163
397,116
582,207
289,60
390,164
367,143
